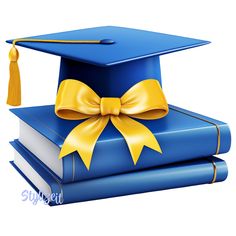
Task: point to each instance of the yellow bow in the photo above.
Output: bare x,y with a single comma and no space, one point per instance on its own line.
76,101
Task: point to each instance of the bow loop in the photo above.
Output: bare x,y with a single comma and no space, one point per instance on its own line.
145,100
76,101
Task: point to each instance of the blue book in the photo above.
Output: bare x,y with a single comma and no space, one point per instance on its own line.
182,135
199,171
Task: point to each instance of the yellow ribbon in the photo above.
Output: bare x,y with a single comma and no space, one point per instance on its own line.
76,101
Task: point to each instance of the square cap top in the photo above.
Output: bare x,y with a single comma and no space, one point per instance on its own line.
129,44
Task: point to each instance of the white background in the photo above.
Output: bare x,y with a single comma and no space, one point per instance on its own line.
200,79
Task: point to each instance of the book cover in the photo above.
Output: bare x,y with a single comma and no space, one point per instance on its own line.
200,171
183,135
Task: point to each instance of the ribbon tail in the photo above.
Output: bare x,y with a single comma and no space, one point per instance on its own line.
83,138
136,135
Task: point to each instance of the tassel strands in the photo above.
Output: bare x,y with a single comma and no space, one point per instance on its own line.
14,85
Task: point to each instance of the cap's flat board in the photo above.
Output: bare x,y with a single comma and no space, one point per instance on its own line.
130,44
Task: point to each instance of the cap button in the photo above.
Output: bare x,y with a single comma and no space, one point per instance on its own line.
107,41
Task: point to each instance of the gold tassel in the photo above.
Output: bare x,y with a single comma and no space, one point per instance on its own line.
14,86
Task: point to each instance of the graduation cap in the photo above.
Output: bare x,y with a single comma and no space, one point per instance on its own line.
108,59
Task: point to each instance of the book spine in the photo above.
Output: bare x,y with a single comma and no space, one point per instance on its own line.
173,176
176,146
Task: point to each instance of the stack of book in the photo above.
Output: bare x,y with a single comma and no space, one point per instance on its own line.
188,140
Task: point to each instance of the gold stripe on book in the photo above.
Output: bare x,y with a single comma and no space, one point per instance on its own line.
210,122
214,172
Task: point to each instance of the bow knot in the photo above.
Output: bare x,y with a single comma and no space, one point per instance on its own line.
110,106
76,101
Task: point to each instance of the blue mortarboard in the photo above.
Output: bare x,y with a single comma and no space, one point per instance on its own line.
109,59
